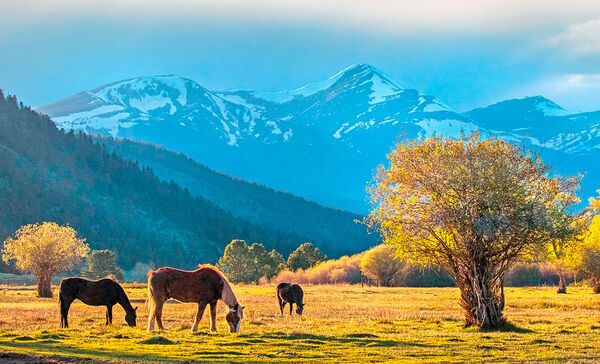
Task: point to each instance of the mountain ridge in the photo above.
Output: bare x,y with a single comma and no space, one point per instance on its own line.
322,141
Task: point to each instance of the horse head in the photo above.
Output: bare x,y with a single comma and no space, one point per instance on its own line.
131,317
234,318
299,308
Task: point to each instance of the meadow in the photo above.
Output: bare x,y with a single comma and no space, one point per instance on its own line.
340,324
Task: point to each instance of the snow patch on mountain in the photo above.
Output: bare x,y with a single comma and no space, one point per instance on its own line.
146,94
103,120
87,115
549,108
151,103
382,90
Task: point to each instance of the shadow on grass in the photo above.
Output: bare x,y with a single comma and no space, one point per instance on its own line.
361,339
39,348
508,327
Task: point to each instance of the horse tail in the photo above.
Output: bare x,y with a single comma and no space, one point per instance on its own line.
150,298
61,299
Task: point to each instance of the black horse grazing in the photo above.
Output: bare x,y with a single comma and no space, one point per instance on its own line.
290,293
103,292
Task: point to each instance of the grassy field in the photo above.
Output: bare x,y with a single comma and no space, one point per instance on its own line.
340,324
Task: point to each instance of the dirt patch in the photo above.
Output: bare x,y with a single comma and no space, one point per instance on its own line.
12,358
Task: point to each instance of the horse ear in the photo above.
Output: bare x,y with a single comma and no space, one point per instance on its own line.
135,309
243,307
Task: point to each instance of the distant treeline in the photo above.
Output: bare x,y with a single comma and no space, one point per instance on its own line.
355,269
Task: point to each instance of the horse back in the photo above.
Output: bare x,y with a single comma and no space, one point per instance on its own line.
282,286
297,293
71,286
203,284
95,293
282,290
290,292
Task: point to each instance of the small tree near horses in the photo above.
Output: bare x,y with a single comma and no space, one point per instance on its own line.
472,207
305,256
102,264
45,250
249,263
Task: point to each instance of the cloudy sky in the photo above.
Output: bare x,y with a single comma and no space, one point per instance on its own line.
467,53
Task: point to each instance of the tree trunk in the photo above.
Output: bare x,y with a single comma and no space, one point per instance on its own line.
595,281
482,299
44,287
562,285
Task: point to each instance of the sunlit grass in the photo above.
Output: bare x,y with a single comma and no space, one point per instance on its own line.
341,324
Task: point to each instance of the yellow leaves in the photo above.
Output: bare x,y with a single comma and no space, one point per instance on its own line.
381,263
45,248
440,197
592,239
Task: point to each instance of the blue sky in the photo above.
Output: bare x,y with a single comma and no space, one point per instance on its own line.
467,53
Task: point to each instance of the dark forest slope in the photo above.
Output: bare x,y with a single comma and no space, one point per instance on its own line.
47,174
335,231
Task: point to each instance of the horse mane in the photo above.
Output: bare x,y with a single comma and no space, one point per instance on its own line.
227,294
211,267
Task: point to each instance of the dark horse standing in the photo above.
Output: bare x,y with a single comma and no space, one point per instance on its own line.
103,292
290,293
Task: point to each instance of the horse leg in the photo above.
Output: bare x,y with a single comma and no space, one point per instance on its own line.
201,307
213,316
150,318
64,313
158,314
109,315
291,306
281,305
151,315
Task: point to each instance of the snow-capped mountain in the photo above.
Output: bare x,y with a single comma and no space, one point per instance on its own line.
322,141
542,123
157,102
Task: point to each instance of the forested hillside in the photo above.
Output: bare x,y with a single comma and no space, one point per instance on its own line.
47,174
334,231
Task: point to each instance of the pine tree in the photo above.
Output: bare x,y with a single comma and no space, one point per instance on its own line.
101,264
306,256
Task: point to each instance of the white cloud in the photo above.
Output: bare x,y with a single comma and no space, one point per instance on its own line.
404,17
581,39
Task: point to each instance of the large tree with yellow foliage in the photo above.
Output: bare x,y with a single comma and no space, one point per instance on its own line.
45,250
472,207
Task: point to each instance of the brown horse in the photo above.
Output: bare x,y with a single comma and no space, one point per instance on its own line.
204,286
103,292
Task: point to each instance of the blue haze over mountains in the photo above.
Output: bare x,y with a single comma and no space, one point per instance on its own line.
322,141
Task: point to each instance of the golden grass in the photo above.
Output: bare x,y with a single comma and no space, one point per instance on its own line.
341,324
